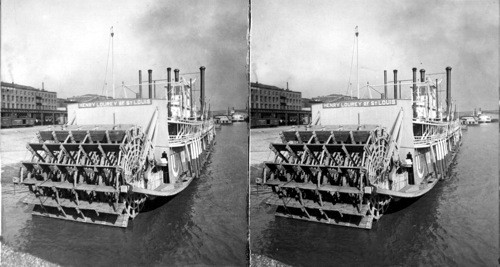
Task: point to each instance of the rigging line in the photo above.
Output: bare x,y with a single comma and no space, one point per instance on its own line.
106,72
350,71
129,89
374,89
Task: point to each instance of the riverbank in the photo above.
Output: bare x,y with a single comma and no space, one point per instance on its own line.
257,260
260,138
9,257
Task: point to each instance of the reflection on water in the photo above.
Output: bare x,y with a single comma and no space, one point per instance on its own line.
204,224
456,223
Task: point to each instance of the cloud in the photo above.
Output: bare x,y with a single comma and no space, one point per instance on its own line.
65,43
189,34
314,43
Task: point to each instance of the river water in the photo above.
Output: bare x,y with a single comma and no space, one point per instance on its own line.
455,224
205,224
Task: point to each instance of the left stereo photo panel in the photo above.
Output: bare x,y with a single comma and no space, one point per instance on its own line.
124,135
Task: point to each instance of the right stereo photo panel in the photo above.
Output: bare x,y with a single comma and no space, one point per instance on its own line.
374,133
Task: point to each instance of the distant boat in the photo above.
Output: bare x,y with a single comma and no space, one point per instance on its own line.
483,118
238,117
468,120
223,119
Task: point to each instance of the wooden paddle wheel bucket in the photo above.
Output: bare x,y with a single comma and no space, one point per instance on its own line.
330,176
86,175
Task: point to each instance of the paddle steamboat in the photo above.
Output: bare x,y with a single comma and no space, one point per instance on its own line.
114,154
363,154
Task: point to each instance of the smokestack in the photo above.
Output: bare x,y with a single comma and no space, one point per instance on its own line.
176,75
385,84
422,75
191,97
43,88
286,85
448,89
395,84
400,94
169,94
140,84
202,87
414,84
437,100
150,80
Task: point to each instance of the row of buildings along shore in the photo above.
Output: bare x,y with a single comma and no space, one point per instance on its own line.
269,105
36,106
272,106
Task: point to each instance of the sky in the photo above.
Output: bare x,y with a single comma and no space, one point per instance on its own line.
64,44
309,44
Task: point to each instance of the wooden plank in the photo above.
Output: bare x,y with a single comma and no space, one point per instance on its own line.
31,181
343,208
342,136
323,136
46,135
36,146
98,135
66,185
366,222
97,188
310,186
289,136
100,207
60,136
116,136
305,136
341,189
105,219
45,164
61,185
361,136
279,146
273,182
274,164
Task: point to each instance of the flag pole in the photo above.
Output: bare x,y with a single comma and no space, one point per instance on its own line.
112,63
357,59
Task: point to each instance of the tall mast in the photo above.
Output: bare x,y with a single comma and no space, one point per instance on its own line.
112,63
357,59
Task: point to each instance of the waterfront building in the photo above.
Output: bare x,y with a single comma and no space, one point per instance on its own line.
268,101
21,101
18,96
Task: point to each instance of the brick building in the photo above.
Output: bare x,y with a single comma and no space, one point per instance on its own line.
21,101
26,97
267,101
272,97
